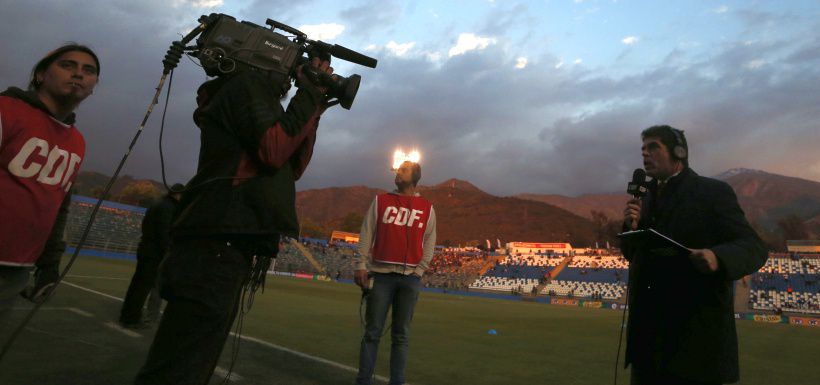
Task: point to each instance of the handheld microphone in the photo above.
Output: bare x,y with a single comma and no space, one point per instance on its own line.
369,286
637,187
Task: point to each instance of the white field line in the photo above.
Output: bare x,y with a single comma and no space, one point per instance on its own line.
221,373
98,277
256,340
80,312
71,309
92,291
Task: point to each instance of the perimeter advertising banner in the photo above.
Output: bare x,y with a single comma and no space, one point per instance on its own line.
564,301
767,318
779,319
805,321
593,304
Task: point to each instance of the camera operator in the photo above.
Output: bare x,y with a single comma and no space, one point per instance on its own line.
40,154
232,213
681,327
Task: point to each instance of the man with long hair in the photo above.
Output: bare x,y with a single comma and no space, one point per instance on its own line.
40,155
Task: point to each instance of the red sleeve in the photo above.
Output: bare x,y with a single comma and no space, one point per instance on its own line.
276,146
305,152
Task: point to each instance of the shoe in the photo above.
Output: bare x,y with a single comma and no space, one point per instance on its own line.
135,325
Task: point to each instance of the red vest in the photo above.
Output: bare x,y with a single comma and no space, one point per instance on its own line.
400,227
39,160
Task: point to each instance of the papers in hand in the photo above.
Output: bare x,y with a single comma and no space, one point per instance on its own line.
655,242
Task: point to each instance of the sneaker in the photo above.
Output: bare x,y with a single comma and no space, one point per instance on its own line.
135,325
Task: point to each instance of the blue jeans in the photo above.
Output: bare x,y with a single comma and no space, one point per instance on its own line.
401,291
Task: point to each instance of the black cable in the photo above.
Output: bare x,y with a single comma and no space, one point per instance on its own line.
87,230
237,334
621,333
256,280
162,156
162,130
363,323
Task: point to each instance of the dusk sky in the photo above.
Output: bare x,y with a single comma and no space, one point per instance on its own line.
543,96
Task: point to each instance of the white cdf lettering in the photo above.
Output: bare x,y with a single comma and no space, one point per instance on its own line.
60,165
414,216
402,216
18,167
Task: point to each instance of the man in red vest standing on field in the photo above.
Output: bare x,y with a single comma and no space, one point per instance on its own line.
395,248
40,155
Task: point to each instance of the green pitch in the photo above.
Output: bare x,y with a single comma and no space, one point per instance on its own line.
307,332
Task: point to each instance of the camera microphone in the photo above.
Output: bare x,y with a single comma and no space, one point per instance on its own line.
637,187
346,54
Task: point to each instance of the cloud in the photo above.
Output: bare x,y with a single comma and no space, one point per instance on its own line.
399,49
470,42
629,40
721,9
755,64
200,4
207,3
370,16
474,116
325,31
280,10
521,62
507,17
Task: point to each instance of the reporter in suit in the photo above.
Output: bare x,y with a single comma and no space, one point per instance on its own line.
681,327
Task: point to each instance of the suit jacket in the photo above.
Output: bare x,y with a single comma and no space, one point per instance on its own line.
682,321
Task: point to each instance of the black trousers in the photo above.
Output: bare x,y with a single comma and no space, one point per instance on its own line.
142,282
202,280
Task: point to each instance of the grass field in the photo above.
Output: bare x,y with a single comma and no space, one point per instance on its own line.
307,332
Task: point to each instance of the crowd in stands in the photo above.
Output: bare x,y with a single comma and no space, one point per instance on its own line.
588,290
455,268
600,262
788,282
519,273
550,259
336,260
114,229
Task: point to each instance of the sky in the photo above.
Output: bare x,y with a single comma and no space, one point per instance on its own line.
542,96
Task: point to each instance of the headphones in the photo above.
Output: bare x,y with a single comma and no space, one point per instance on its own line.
679,151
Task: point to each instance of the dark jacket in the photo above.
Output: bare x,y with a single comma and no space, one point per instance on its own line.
156,228
680,320
251,153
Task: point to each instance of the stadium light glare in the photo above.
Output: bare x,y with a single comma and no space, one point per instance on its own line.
399,157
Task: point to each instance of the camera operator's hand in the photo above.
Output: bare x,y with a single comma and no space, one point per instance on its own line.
632,213
704,260
361,278
309,75
172,56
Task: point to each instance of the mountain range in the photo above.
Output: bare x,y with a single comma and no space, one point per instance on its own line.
466,214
